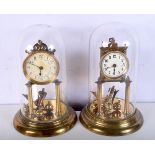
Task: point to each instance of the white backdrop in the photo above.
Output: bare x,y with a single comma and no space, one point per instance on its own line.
76,30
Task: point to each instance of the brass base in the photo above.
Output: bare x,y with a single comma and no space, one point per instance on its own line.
46,129
111,127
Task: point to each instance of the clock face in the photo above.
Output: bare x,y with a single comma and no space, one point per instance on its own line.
114,64
41,67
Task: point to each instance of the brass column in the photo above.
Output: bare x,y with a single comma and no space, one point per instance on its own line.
99,95
58,102
30,98
127,95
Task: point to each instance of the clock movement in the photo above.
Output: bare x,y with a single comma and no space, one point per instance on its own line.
44,112
111,110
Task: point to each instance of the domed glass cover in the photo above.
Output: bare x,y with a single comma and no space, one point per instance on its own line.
112,80
43,62
113,62
43,82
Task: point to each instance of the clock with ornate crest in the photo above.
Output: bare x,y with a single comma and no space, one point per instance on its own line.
111,110
44,112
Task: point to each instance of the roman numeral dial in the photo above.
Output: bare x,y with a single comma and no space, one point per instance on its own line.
114,64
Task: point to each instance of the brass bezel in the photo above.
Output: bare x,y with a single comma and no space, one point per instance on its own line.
124,55
35,81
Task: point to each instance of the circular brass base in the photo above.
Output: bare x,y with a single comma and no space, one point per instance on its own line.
111,127
38,129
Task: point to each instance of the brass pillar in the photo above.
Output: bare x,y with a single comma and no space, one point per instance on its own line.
58,102
30,98
127,95
99,95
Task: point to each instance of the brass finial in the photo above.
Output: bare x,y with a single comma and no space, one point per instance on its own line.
40,46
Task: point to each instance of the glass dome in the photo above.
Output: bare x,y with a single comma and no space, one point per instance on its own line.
43,83
112,81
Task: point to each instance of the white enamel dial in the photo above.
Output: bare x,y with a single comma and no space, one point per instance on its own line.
114,64
41,67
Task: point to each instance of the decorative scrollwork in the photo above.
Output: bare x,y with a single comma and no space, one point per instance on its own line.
41,112
113,46
110,107
40,46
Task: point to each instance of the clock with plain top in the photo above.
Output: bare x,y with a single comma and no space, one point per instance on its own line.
114,64
41,67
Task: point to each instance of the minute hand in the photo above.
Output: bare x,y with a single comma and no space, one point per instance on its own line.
36,65
108,67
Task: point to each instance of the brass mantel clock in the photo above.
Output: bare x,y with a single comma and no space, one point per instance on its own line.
108,114
42,116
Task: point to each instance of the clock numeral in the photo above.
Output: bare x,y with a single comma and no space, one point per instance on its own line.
106,60
46,59
50,62
105,65
41,78
30,62
47,77
52,71
114,56
34,58
40,56
118,72
109,72
109,57
106,68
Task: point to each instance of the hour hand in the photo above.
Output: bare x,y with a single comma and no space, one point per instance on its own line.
40,68
114,71
40,72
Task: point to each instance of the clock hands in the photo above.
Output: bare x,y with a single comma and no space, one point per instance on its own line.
40,68
114,65
108,68
114,72
34,65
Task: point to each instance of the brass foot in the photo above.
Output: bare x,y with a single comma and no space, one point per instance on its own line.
45,129
111,127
